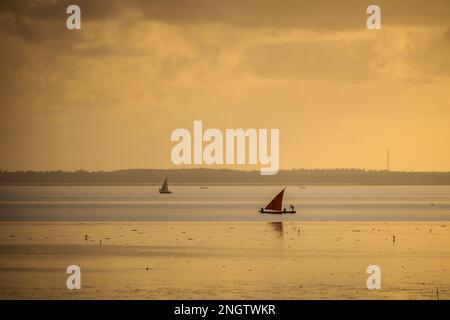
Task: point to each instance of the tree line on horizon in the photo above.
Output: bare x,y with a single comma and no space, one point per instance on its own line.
226,176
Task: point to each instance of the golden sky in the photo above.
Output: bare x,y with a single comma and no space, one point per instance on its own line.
109,95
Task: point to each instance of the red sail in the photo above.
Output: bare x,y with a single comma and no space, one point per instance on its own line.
277,202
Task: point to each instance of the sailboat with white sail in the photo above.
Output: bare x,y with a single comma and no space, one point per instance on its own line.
165,187
276,206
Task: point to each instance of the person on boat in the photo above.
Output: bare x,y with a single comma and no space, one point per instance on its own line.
292,207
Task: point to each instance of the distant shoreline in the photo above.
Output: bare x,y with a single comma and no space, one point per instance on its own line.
194,177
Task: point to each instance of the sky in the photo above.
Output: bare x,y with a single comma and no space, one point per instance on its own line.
108,96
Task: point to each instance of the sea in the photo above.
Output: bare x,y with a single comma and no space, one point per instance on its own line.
223,203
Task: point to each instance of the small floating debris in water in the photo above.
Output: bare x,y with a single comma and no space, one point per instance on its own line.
356,230
12,236
134,230
86,237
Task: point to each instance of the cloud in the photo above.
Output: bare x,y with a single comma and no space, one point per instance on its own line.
317,15
107,96
56,9
319,60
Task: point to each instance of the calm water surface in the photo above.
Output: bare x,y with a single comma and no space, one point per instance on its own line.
223,203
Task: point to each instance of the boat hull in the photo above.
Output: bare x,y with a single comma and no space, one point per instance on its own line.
277,212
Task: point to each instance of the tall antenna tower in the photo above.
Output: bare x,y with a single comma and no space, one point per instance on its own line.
387,161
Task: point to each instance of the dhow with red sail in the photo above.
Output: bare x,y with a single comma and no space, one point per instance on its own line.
276,206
